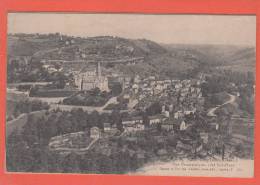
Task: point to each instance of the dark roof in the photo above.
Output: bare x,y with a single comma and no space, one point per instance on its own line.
132,118
157,116
107,124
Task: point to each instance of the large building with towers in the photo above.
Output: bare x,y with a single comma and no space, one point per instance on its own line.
91,79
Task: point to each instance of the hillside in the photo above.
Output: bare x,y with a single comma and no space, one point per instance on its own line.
235,58
58,47
173,60
28,45
156,58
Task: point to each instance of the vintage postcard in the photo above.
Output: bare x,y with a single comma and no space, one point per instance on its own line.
132,94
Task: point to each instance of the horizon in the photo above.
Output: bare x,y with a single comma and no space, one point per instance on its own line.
160,43
238,30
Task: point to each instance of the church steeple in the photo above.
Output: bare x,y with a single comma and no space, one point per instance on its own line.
61,37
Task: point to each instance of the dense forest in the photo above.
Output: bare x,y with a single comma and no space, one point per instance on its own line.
32,142
229,81
25,106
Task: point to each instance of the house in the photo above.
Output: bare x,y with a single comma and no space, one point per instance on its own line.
132,120
139,127
107,127
137,79
183,125
151,77
178,86
178,114
167,114
171,107
95,133
126,96
185,90
158,89
134,128
133,124
205,137
165,86
153,120
50,68
184,93
141,96
197,148
152,83
167,81
167,125
187,112
135,87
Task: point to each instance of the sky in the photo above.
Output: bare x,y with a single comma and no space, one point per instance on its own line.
170,28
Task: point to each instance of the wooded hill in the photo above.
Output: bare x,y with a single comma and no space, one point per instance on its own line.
173,60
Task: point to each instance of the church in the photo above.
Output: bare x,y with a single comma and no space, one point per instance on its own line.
91,79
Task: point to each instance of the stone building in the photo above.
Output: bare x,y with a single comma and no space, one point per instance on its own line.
91,79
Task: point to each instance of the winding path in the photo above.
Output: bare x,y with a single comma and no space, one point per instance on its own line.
211,111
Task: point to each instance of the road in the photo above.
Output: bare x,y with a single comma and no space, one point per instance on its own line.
28,83
85,108
231,99
53,102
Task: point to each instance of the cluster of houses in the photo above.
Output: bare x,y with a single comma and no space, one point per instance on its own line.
186,93
164,120
177,99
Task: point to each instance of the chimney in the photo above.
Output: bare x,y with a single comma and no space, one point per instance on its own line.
99,70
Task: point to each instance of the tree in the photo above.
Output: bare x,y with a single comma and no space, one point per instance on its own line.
155,108
95,92
146,120
19,157
94,119
116,89
60,81
116,118
71,163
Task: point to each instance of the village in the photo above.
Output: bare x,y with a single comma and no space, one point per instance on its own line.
154,105
161,108
110,107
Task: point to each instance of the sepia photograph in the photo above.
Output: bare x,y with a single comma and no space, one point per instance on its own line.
131,94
